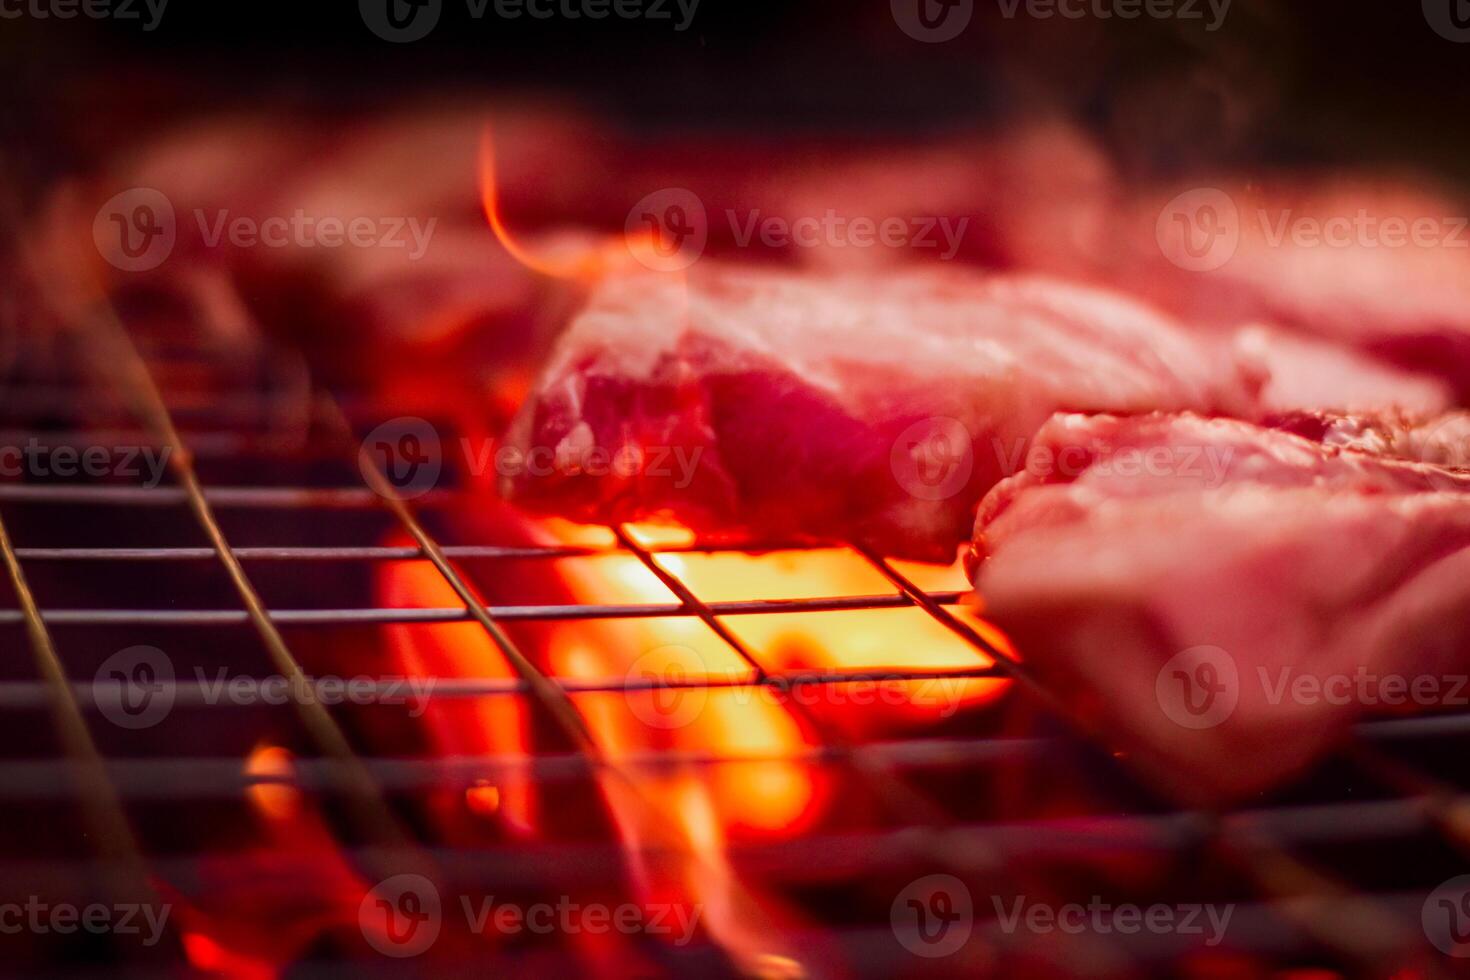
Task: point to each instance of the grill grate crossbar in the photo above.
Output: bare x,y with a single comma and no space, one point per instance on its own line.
1263,850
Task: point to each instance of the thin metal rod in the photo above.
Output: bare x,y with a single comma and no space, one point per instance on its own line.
552,697
621,781
406,615
691,601
118,354
203,692
1262,856
263,498
387,553
192,778
101,808
350,553
890,790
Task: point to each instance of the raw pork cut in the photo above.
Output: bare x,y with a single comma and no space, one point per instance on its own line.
1371,262
875,408
1221,599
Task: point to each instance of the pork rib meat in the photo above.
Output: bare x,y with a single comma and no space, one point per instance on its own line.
1224,599
875,409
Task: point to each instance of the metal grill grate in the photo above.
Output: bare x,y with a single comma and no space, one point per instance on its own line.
1298,911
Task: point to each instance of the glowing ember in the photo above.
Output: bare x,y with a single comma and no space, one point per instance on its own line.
272,797
483,799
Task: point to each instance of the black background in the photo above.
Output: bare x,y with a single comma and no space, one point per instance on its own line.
1297,81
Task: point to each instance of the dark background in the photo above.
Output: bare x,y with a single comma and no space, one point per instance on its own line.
1295,81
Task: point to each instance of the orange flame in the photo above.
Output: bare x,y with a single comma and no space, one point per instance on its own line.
580,257
257,910
677,823
496,726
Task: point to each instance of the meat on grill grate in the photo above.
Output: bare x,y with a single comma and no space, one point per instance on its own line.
1222,598
875,409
